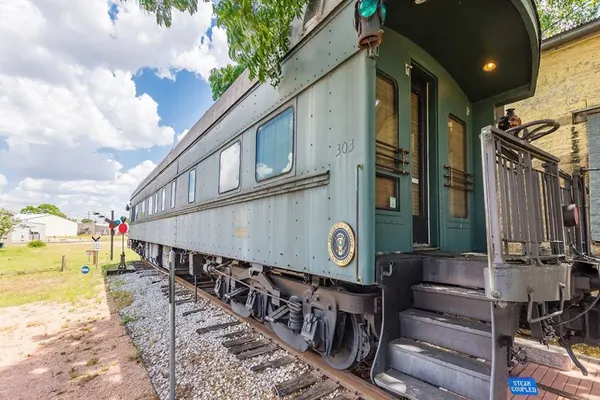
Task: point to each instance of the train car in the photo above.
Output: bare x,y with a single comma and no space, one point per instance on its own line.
368,208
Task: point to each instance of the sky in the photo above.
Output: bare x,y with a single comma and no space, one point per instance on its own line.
93,95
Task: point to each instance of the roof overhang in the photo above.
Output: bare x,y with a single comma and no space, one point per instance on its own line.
463,35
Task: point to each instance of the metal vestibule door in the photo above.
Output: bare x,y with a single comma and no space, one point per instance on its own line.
419,175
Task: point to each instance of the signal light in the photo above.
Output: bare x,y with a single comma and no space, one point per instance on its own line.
369,16
367,8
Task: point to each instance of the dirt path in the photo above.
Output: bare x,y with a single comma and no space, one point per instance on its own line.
65,351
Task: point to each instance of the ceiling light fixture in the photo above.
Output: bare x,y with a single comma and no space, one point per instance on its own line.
489,66
420,1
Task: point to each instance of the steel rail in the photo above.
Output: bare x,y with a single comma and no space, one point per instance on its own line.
349,381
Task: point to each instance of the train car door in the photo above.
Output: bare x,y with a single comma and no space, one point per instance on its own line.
418,159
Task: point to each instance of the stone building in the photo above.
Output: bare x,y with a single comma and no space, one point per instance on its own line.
568,90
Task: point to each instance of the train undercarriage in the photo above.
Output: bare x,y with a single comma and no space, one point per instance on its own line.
340,321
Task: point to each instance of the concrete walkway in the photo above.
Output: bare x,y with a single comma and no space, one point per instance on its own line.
562,384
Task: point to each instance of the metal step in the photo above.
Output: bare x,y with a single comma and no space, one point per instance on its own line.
466,336
454,271
411,388
456,373
454,300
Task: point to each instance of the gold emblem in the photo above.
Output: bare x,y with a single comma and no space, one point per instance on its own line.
341,244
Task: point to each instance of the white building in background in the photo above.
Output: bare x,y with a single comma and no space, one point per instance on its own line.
54,226
26,231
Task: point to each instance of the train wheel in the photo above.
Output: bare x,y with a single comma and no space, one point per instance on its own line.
346,356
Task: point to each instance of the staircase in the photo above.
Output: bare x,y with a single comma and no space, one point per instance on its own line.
445,348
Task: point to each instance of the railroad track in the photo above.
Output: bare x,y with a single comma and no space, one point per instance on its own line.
318,383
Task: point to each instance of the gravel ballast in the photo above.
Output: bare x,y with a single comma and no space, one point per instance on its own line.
205,369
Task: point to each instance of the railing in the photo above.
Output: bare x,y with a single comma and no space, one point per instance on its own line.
396,157
523,207
457,179
523,200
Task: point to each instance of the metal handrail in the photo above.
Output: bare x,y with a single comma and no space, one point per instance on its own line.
523,203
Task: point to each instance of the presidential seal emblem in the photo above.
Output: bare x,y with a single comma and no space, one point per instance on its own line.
341,244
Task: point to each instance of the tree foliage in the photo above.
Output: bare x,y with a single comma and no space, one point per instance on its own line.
162,9
221,78
7,223
557,16
86,221
43,209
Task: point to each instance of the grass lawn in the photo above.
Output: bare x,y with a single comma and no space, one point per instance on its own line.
21,284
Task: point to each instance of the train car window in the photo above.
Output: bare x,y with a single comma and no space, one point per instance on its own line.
173,194
275,146
143,208
137,211
156,203
163,199
457,160
229,168
150,205
386,136
192,186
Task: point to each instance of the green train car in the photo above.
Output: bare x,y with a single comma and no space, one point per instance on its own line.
373,208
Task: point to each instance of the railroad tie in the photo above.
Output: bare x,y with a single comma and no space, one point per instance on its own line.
216,327
290,386
234,334
190,312
278,362
247,346
269,348
321,389
237,342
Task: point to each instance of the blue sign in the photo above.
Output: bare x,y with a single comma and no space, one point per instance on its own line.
85,269
523,386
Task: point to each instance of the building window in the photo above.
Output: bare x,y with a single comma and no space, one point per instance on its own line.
386,136
192,186
163,199
229,168
457,160
275,145
173,194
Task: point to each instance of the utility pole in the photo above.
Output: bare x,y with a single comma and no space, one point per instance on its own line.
112,234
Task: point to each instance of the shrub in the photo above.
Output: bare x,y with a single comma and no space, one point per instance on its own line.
36,243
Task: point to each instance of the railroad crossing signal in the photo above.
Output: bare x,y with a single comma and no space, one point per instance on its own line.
96,250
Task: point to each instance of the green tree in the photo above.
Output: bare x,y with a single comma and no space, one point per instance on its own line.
86,221
43,209
557,16
30,210
220,79
7,223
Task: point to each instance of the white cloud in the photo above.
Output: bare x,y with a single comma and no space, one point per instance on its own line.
75,198
182,135
67,90
3,181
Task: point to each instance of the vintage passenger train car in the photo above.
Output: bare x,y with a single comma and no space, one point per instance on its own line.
367,208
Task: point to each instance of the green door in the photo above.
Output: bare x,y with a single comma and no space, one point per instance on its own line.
392,230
